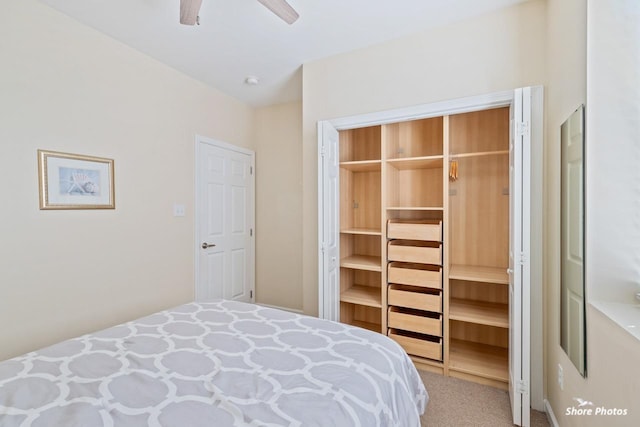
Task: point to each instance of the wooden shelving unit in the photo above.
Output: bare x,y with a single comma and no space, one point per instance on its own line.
480,312
479,359
375,327
364,231
414,177
361,233
362,165
440,293
362,262
429,162
362,295
415,208
479,246
479,154
476,273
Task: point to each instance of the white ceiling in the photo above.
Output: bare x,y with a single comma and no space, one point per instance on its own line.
238,38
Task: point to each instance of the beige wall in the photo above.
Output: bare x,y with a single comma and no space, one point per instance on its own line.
278,130
66,87
498,51
613,375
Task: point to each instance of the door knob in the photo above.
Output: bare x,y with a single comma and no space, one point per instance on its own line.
206,245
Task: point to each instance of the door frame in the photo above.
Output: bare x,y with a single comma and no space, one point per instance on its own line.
455,106
251,208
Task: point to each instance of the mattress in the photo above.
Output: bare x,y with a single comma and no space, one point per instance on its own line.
217,363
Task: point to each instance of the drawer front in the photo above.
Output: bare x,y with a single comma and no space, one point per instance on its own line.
414,323
408,253
415,275
400,296
430,231
418,347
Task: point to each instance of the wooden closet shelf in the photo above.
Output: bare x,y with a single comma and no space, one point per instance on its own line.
362,295
362,165
478,154
362,262
375,327
415,208
367,231
475,273
479,359
480,312
428,162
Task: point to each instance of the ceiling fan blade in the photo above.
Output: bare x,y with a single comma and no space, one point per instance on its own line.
282,9
189,10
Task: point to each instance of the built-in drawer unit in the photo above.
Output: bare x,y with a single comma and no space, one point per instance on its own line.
418,298
417,344
408,319
430,230
415,251
415,287
428,276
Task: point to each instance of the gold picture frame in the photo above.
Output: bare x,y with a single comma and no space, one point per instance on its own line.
74,181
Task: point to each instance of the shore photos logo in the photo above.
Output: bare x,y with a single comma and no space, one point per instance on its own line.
586,407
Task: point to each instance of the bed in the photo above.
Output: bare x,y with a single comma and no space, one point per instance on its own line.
217,363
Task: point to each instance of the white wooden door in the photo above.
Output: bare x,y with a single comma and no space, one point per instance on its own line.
329,221
519,256
225,221
572,333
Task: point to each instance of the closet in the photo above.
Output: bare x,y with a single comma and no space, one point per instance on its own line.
424,239
430,225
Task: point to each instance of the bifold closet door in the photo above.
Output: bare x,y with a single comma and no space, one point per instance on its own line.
329,221
519,256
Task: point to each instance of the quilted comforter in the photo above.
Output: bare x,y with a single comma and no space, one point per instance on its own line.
218,363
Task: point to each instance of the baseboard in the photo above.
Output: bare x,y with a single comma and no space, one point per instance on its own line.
277,307
550,415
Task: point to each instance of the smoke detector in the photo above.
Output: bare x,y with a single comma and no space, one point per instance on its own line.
251,81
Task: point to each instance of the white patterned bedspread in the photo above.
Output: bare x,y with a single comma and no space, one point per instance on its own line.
219,363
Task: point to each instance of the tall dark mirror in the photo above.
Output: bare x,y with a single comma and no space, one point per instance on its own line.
572,310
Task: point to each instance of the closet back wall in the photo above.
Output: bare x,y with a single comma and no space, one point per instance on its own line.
67,87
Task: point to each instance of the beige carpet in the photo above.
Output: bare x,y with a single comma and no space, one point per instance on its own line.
454,402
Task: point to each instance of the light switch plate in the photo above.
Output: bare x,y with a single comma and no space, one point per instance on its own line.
179,210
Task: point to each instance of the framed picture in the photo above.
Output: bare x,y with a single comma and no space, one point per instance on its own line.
73,181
